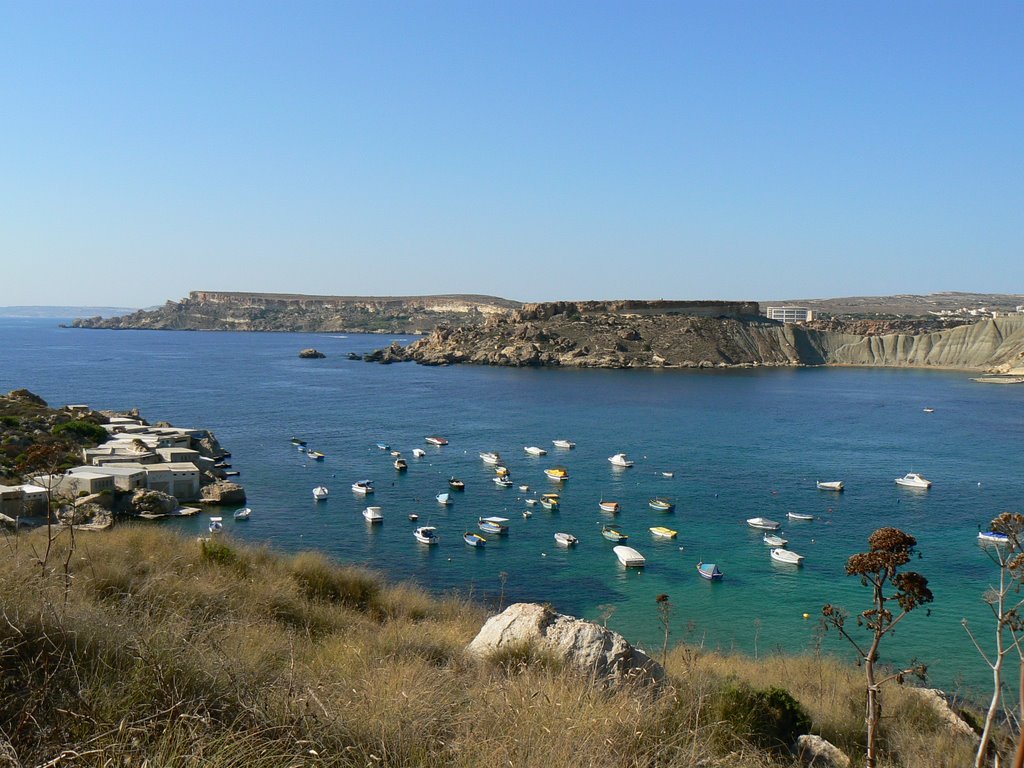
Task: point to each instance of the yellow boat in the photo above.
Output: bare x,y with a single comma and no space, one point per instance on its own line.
501,471
550,500
557,473
663,532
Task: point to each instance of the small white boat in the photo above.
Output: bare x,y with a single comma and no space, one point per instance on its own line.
913,480
320,492
629,557
772,540
490,457
563,443
384,446
799,516
613,534
401,465
474,539
609,506
763,523
565,539
531,502
929,410
414,517
444,498
527,514
436,440
315,455
534,450
455,484
493,525
668,474
503,481
418,453
662,505
786,556
216,524
620,460
557,473
242,514
362,486
992,537
830,485
395,454
549,501
426,534
373,515
524,488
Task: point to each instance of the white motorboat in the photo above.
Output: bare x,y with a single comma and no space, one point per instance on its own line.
786,556
534,450
362,486
620,460
444,498
436,440
373,515
524,488
527,514
763,523
216,524
565,539
320,492
773,540
418,453
426,534
799,516
401,465
913,480
503,481
243,514
830,485
563,443
993,537
668,474
495,525
490,457
531,502
629,557
609,506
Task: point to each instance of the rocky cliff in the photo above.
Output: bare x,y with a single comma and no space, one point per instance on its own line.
563,335
221,311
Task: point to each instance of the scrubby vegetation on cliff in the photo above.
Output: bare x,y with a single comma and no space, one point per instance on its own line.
168,651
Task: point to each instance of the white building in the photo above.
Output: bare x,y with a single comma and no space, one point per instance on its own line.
790,314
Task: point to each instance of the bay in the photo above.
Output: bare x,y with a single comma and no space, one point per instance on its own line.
741,443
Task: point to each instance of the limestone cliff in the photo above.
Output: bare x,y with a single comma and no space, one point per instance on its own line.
568,334
231,311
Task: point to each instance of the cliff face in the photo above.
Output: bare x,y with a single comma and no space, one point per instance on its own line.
563,335
220,311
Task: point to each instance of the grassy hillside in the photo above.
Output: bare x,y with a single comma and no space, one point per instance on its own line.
165,651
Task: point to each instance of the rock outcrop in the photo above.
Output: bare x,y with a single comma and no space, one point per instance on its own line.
152,503
581,645
223,492
815,751
312,354
937,701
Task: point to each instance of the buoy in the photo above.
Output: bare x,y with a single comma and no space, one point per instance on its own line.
807,615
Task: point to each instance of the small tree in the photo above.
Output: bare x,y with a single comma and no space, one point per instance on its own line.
665,617
878,568
1005,604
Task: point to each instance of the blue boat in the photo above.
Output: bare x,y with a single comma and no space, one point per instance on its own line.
493,525
710,571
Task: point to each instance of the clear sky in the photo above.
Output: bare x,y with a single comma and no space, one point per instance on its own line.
532,150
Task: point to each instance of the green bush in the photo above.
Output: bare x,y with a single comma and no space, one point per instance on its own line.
769,718
9,421
85,430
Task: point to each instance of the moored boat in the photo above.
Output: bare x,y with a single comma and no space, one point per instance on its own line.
557,473
455,484
436,440
501,471
763,523
216,524
401,465
315,455
565,539
993,537
668,474
384,446
474,539
609,506
830,485
373,515
663,532
444,498
493,525
362,486
549,501
913,480
535,450
531,502
620,460
629,557
320,492
774,540
418,453
710,571
503,481
426,534
799,516
786,556
242,514
524,488
297,441
395,454
613,534
661,505
563,444
490,457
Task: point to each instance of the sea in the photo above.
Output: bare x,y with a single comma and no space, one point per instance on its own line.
738,443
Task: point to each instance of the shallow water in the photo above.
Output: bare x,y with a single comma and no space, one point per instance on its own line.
740,443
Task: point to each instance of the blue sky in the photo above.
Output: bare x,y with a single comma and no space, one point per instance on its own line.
532,150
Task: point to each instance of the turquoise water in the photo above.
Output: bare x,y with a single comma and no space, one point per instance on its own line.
741,443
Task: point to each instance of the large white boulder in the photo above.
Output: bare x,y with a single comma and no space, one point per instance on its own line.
581,645
816,751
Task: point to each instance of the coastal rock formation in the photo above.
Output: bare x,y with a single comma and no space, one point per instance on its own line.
815,751
582,645
214,310
153,503
312,354
583,336
223,492
938,702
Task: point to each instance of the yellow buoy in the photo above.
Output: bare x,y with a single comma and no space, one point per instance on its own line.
807,615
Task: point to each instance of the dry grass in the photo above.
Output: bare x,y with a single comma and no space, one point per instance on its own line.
175,654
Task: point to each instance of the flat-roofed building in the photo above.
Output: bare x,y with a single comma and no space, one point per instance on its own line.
173,455
790,314
77,481
184,480
127,478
